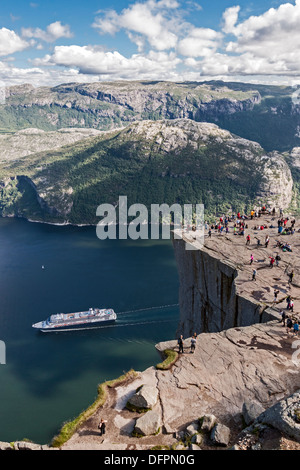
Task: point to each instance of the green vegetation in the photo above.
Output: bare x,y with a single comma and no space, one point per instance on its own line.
161,447
136,434
70,428
99,170
170,359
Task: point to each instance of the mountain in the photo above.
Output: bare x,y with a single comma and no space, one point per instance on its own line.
163,161
266,114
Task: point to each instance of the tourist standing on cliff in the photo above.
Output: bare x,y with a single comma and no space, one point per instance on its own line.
291,277
254,275
283,317
289,325
102,427
267,240
276,292
180,344
193,343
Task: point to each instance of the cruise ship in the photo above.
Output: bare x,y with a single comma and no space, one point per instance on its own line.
93,318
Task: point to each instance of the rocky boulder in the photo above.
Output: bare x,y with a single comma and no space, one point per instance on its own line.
220,435
284,416
207,422
251,410
144,398
148,424
192,429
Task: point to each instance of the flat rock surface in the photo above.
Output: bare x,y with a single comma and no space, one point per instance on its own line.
226,369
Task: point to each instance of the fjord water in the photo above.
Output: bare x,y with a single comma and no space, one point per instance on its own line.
49,378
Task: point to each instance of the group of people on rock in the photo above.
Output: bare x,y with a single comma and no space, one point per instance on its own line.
285,225
283,246
240,224
180,343
290,321
283,229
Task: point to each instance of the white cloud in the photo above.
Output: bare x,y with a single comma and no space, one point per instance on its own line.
147,19
230,18
37,76
51,76
194,5
165,4
200,42
269,43
92,60
10,42
53,32
109,24
138,40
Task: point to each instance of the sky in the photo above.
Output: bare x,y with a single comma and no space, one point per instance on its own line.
46,43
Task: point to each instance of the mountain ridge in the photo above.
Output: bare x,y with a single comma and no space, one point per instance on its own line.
186,162
266,114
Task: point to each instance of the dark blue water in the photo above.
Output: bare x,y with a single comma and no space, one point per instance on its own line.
50,378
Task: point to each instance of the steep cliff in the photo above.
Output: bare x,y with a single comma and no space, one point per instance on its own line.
208,296
216,287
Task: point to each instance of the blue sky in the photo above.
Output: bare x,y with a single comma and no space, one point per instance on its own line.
46,43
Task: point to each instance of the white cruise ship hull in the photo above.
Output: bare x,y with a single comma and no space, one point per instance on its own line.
77,321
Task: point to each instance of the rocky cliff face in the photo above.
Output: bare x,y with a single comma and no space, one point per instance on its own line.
112,102
208,296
